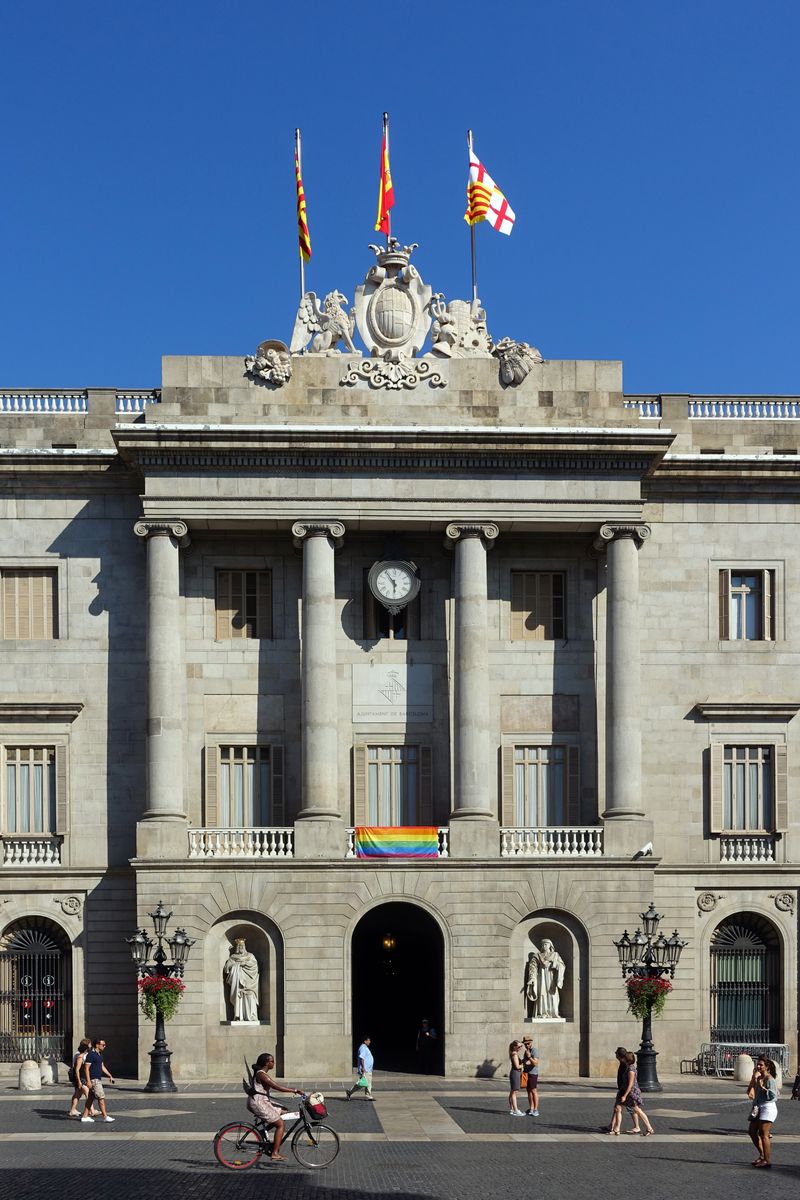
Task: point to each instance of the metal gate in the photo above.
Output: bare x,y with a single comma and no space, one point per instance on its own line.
34,993
744,981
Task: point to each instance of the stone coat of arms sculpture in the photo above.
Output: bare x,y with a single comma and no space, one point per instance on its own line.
392,305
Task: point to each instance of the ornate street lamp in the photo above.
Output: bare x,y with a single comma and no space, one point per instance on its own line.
647,956
179,945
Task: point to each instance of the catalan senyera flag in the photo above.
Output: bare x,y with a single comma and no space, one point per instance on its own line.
485,201
304,237
385,187
406,841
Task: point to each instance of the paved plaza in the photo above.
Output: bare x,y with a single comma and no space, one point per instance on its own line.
421,1138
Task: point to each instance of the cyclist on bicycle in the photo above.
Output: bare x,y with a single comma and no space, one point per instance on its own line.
261,1104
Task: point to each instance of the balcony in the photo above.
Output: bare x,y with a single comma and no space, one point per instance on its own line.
558,841
443,845
747,848
260,842
31,850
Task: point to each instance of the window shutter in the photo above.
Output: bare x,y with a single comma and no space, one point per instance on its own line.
781,790
62,815
212,772
264,620
544,605
9,606
223,613
715,786
517,601
425,808
573,785
360,785
370,627
507,787
277,815
724,605
413,620
36,585
768,589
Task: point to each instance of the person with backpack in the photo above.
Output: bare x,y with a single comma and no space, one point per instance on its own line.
74,1076
260,1101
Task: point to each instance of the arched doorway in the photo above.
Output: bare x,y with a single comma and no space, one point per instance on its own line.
745,980
35,993
398,979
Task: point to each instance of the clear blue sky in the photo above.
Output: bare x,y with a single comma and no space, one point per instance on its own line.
650,151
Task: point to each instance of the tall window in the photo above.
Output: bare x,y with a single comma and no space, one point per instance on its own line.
538,605
243,604
392,785
745,981
748,777
540,785
29,604
245,786
30,789
747,605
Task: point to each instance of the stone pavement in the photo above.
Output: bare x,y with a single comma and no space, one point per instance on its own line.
423,1138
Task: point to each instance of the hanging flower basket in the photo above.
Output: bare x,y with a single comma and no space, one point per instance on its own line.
646,993
160,994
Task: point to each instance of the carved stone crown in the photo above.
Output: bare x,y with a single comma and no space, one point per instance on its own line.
393,254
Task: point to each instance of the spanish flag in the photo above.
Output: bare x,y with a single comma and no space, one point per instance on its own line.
385,188
304,236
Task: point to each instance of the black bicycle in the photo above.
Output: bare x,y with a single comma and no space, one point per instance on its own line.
240,1145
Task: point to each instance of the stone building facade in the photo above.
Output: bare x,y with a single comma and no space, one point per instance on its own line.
593,699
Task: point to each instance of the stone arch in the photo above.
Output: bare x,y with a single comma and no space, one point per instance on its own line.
745,951
36,1018
228,1042
563,1040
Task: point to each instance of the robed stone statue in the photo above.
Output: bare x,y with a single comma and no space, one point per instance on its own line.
240,973
544,978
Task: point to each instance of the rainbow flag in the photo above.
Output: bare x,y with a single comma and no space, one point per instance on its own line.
397,841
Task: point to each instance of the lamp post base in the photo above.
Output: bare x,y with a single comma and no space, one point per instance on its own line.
646,1070
160,1071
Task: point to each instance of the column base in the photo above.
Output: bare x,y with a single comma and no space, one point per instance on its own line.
320,837
627,837
473,837
162,837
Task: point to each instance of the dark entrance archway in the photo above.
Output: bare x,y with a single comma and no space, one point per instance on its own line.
398,979
35,993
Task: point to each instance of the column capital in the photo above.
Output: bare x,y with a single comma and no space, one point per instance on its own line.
175,528
611,532
330,529
487,531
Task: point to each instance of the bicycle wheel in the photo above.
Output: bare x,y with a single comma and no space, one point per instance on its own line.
315,1146
238,1146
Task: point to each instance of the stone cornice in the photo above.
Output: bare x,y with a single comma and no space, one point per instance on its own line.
63,712
747,710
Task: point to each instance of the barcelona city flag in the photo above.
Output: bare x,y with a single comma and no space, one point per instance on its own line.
385,188
304,236
485,201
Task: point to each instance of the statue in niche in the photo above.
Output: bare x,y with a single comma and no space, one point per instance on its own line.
240,973
544,978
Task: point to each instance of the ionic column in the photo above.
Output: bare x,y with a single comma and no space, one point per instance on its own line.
471,749
320,723
623,670
166,677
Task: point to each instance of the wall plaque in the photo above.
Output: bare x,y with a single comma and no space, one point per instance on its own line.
384,693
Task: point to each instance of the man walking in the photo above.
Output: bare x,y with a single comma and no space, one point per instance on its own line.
93,1071
366,1062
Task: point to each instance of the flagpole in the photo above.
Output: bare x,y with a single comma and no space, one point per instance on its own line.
388,214
472,237
300,252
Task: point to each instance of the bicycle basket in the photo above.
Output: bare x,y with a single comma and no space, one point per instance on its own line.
315,1106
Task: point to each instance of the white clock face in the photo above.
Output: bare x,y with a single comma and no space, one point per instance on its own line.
394,583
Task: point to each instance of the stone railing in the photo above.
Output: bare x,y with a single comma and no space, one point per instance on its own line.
44,402
136,401
650,407
32,851
557,841
748,410
259,842
444,848
741,848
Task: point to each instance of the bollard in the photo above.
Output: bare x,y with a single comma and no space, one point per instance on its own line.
743,1068
30,1078
47,1071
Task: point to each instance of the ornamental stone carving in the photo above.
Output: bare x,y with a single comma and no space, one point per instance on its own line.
459,329
177,529
707,901
608,533
323,325
516,360
394,376
331,529
270,364
784,901
392,305
486,530
70,905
